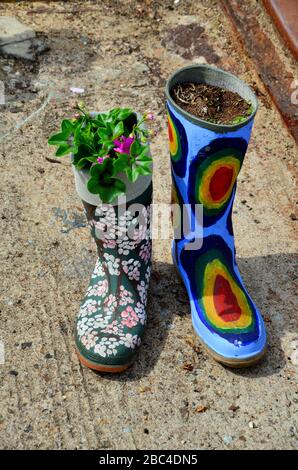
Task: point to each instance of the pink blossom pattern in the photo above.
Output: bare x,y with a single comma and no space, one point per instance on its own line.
130,318
89,340
98,270
89,307
141,312
114,310
131,268
145,251
110,303
98,290
126,297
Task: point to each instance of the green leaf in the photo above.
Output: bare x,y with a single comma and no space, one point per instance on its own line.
115,112
145,159
63,149
103,133
82,162
135,148
62,137
144,170
110,126
99,168
118,131
145,150
58,139
124,113
120,163
95,178
239,119
134,173
130,174
137,169
109,192
93,186
101,183
144,156
77,130
98,121
108,144
67,126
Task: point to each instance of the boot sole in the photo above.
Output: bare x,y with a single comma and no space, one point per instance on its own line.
102,367
229,362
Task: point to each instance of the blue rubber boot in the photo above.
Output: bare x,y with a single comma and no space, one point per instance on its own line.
206,159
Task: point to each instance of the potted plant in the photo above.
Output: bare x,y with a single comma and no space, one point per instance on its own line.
210,118
113,176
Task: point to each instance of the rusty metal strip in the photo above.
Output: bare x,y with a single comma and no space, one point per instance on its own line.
285,17
276,78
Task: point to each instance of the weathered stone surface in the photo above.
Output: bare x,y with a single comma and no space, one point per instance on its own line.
28,49
12,31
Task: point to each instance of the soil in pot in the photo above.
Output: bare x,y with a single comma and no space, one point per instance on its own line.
211,103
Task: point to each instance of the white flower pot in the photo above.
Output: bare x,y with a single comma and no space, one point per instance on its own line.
133,190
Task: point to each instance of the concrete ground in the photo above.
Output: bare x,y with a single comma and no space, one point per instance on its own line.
175,396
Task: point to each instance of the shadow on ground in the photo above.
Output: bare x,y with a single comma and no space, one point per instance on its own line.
268,279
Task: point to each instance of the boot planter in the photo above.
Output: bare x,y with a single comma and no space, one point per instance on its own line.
116,191
112,316
206,158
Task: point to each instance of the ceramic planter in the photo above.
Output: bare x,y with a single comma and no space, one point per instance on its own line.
133,190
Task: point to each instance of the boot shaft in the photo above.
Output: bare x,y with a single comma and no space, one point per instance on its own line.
117,227
206,157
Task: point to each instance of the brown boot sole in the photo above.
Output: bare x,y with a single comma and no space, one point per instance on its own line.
102,367
233,363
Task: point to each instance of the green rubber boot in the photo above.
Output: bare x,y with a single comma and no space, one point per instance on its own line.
112,317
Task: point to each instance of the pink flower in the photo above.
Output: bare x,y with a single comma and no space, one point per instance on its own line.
130,318
77,90
149,116
112,328
123,144
88,340
101,159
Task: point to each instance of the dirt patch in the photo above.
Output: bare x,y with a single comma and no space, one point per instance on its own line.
190,41
211,103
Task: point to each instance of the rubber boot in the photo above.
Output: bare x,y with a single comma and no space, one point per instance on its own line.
112,317
206,159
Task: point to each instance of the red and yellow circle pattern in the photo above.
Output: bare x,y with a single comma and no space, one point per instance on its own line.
178,145
217,182
173,139
224,302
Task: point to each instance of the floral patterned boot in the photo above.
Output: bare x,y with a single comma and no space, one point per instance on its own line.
112,317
